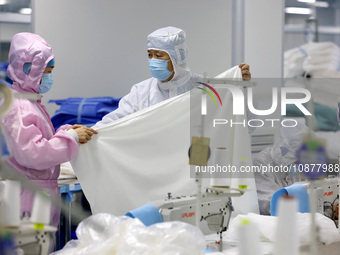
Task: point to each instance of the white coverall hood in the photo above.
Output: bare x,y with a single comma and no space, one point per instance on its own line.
172,41
283,152
284,149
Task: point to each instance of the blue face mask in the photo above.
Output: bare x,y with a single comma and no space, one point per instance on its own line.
46,83
159,68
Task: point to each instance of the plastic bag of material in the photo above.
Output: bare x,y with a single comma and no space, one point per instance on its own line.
109,235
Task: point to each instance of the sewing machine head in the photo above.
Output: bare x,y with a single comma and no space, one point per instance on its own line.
216,209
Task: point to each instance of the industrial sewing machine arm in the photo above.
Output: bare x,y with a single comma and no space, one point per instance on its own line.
216,209
32,240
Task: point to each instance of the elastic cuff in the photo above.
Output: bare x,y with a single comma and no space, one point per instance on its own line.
74,134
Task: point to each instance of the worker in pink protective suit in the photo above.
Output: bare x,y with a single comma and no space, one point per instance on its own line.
36,149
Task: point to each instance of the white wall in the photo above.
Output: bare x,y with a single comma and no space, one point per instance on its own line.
100,46
7,30
264,22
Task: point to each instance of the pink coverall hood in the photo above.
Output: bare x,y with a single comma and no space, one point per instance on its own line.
28,48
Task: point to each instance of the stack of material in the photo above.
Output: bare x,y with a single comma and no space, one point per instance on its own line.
312,58
85,111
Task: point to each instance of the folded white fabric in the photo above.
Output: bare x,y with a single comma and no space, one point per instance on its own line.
293,60
316,47
311,68
311,58
66,171
67,175
326,74
322,58
266,225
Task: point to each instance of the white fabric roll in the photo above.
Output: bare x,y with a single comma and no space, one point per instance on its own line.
10,204
221,161
286,236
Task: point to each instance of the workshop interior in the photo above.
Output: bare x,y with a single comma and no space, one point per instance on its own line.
169,127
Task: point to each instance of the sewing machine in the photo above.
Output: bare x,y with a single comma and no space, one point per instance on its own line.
32,240
26,234
216,209
327,197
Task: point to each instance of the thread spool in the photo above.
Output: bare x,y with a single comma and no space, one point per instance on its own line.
286,235
241,178
248,238
220,179
10,204
6,100
41,211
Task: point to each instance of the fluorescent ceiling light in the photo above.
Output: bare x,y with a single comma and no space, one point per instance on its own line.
307,1
2,2
315,3
296,10
321,4
25,11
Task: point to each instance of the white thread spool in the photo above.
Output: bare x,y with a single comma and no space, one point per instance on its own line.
10,204
220,161
6,100
248,238
286,235
41,211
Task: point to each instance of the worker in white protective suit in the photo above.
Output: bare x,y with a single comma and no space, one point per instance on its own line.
167,51
282,153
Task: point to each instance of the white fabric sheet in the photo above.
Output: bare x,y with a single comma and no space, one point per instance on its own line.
141,157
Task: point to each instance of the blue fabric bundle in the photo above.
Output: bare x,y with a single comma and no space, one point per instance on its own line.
84,111
3,73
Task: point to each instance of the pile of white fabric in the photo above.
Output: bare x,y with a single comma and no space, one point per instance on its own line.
106,234
67,175
312,58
